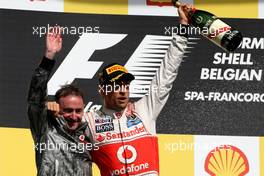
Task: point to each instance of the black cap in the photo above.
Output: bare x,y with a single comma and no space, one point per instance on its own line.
114,73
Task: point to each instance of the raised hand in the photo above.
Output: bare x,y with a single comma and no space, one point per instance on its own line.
53,42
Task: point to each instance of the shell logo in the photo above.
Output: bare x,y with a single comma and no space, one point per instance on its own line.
159,2
226,160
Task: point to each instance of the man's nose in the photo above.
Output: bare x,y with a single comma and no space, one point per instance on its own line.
74,115
123,89
122,92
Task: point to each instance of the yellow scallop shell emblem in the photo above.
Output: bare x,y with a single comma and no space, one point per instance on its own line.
226,160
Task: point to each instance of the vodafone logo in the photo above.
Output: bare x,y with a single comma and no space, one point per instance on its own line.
81,137
127,154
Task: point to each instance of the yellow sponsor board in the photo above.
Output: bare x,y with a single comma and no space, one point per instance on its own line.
96,6
17,155
176,153
224,8
229,8
96,171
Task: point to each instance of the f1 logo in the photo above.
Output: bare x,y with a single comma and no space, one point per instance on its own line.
78,59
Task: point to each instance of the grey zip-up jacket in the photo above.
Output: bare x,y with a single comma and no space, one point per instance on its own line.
58,153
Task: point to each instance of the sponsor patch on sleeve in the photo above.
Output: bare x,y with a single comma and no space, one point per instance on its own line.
133,120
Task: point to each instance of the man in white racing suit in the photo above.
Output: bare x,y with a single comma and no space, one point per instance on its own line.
127,140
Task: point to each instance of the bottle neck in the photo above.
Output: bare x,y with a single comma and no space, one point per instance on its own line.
190,14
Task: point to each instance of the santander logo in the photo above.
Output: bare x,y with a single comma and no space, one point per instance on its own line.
100,138
125,134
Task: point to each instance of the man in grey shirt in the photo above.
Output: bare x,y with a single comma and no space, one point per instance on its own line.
61,144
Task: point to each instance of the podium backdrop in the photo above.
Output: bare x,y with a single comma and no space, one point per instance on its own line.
214,116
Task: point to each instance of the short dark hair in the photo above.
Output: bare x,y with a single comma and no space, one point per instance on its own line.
68,90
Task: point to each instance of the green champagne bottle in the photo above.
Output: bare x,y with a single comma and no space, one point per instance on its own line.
213,28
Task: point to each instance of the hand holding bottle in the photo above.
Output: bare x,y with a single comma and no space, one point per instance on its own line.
210,26
183,10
